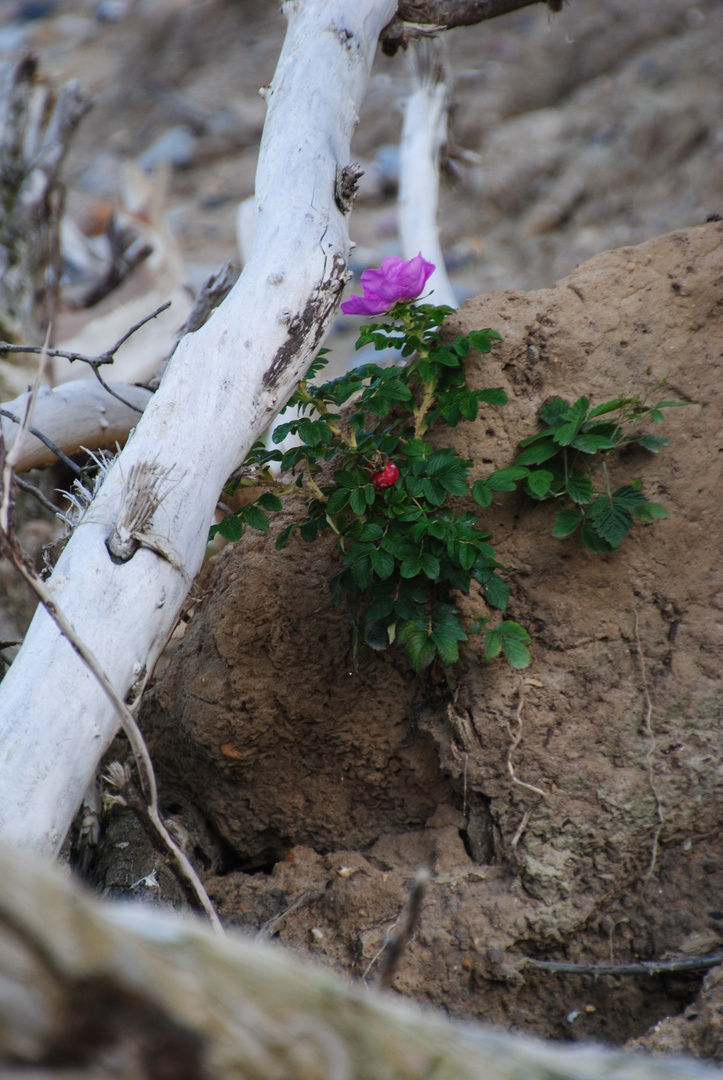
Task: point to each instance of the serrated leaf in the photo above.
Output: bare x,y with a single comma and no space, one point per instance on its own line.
481,340
337,500
649,511
629,495
592,444
357,501
411,566
539,483
579,487
607,407
230,528
497,592
283,538
419,647
380,607
279,433
430,565
495,395
308,530
537,453
571,422
269,501
518,655
417,448
254,516
593,541
505,479
653,443
553,410
566,522
482,493
383,563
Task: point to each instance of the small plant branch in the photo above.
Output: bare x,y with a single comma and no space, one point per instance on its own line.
641,967
94,362
31,489
67,461
516,740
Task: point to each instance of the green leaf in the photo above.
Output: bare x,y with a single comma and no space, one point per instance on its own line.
269,501
358,502
230,528
593,541
254,516
572,422
630,495
382,562
537,453
430,565
482,493
493,396
607,407
279,433
504,479
411,566
553,410
419,647
511,638
539,483
591,444
653,443
447,632
337,500
481,340
497,592
579,487
517,654
283,538
566,522
649,511
417,448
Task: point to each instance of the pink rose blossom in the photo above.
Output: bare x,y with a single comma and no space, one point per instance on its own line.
395,280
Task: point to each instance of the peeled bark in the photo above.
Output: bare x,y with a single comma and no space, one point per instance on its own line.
223,386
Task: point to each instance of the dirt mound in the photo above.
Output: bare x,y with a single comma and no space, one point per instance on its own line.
337,782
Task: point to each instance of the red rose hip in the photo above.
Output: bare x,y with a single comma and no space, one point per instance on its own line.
386,477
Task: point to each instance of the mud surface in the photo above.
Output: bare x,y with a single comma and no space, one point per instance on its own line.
598,837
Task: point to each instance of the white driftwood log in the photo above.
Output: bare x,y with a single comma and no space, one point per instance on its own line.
222,387
74,415
423,134
110,987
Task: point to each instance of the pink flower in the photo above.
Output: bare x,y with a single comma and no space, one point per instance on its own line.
395,280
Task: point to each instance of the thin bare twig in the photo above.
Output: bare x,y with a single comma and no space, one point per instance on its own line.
60,454
516,740
641,967
106,357
36,493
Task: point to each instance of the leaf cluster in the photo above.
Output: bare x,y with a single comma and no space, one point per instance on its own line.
568,459
404,548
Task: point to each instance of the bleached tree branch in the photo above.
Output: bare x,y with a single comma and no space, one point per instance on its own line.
424,133
221,389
